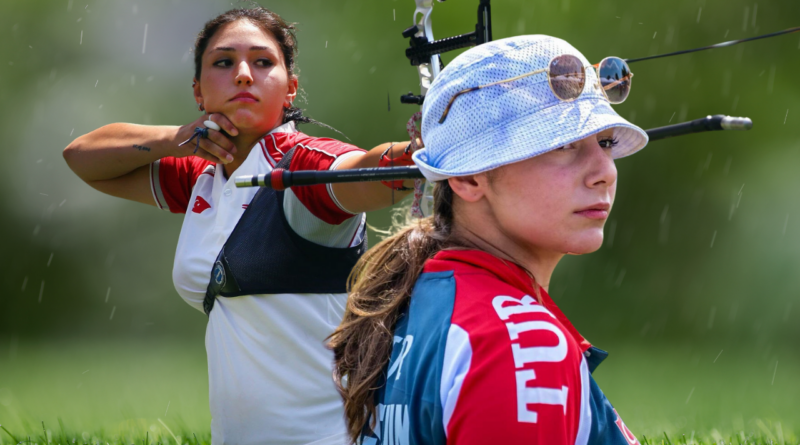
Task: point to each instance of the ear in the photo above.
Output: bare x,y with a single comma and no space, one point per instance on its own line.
198,96
291,94
471,188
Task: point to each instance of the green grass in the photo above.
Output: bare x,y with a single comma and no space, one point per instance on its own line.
124,392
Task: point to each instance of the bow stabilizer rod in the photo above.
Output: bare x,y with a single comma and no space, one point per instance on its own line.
281,179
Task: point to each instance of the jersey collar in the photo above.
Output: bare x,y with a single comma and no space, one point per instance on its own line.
288,127
508,272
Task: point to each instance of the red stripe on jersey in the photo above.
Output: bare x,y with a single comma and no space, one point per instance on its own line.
312,154
177,177
524,379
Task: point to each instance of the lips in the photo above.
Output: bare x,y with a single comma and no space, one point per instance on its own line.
244,97
595,211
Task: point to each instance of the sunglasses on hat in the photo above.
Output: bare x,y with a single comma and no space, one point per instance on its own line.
566,76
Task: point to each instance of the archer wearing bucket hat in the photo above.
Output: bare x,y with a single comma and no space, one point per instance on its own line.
516,120
449,335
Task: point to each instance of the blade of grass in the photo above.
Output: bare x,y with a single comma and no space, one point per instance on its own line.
170,432
9,433
667,437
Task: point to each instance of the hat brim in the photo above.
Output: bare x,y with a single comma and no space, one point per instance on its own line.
534,134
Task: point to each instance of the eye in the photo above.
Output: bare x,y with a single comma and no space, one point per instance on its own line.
608,142
566,147
222,63
264,62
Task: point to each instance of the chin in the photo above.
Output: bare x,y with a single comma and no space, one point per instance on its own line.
245,119
588,243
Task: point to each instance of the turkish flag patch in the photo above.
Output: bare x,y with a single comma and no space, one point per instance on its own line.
200,205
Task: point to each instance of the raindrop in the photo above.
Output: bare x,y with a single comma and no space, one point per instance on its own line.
51,259
81,42
326,44
755,13
699,13
69,5
785,224
746,15
726,33
774,373
786,117
36,229
654,34
394,15
713,238
690,396
712,315
108,293
41,291
620,278
734,309
612,229
144,41
771,81
24,283
670,35
62,203
113,309
735,102
720,353
671,117
73,131
726,83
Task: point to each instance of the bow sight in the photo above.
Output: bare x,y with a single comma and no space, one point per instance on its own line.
424,51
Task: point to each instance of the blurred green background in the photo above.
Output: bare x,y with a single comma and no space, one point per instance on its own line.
696,291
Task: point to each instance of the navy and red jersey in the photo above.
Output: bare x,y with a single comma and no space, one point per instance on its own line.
481,357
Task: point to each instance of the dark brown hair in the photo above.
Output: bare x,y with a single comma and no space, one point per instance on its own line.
380,289
268,21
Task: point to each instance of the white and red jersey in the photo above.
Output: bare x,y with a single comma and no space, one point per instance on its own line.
269,371
481,357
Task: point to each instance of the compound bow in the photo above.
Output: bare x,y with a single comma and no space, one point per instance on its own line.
423,53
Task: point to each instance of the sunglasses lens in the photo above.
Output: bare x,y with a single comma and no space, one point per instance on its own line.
567,77
615,78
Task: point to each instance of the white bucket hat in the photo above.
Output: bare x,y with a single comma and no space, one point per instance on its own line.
513,121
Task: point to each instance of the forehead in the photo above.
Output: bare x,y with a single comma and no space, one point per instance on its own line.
243,34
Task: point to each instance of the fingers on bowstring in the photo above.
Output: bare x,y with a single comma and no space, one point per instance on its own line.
221,140
217,153
224,123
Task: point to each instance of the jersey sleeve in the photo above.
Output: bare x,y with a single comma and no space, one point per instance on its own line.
513,374
322,154
172,180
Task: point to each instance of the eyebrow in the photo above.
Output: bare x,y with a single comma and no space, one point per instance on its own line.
252,48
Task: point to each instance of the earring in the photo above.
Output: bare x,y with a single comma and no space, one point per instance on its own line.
200,107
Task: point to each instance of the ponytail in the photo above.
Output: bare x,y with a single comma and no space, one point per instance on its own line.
380,288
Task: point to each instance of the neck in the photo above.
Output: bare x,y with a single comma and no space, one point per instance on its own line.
538,262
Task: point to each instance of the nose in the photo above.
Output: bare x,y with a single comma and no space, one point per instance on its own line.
243,74
601,170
